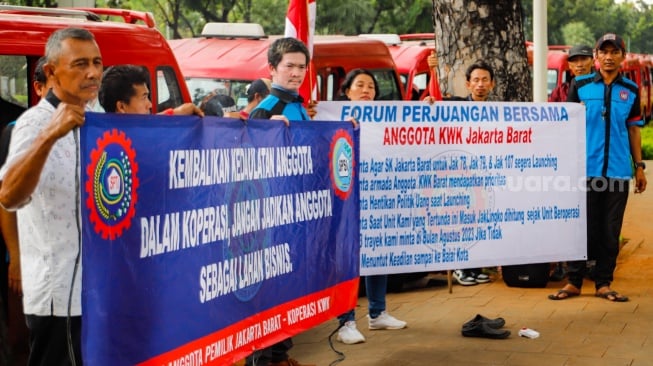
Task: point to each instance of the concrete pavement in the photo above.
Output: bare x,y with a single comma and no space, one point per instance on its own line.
584,330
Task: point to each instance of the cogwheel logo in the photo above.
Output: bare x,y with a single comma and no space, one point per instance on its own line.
341,155
111,184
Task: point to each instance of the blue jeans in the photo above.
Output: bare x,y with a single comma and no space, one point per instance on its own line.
375,288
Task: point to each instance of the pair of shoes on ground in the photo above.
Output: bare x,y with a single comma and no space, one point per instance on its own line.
349,334
470,278
289,362
483,327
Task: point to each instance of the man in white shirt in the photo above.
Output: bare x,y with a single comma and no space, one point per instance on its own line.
39,178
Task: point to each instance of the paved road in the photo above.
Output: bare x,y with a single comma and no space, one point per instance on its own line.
585,330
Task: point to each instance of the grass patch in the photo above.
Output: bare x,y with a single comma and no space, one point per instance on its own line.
647,142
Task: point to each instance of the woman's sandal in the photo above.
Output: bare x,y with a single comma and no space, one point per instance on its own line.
613,296
563,295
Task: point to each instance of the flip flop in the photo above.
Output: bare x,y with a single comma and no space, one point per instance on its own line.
563,295
613,296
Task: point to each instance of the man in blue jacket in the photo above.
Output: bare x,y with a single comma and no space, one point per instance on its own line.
613,145
288,61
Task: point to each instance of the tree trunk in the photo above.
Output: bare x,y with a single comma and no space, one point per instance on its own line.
469,30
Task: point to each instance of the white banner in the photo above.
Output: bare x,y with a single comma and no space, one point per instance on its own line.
462,185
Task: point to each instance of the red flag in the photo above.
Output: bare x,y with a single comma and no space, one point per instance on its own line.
300,24
434,87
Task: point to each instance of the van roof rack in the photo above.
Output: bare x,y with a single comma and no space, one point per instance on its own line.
417,37
128,16
233,30
15,9
91,14
389,39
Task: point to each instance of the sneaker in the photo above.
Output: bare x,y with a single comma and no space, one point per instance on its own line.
479,277
385,321
349,334
464,278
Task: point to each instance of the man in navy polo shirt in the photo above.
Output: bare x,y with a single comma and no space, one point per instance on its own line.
613,144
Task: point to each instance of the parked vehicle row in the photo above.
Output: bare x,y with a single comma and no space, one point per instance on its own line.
636,67
227,57
124,37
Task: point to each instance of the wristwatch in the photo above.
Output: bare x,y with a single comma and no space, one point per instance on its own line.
640,164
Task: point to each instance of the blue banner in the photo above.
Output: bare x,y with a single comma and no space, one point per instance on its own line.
204,239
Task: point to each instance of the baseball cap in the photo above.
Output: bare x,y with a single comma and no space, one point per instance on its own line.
612,38
580,50
227,102
261,86
211,106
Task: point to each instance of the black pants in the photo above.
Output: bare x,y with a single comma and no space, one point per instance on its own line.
277,352
4,340
48,340
4,280
606,205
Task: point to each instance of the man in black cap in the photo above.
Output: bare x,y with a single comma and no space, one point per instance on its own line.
580,60
211,106
613,146
219,105
256,92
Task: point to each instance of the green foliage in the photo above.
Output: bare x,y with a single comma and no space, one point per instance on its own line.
344,17
21,99
641,30
577,33
271,14
631,19
647,142
406,17
37,3
13,68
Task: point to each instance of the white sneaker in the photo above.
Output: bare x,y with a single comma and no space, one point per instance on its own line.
349,334
385,321
481,277
463,278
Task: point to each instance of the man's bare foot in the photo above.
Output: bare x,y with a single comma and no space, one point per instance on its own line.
606,293
566,292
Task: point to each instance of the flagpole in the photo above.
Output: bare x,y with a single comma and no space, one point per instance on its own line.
434,76
300,25
310,62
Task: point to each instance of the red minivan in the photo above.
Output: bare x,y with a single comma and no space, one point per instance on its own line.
132,39
410,53
229,56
